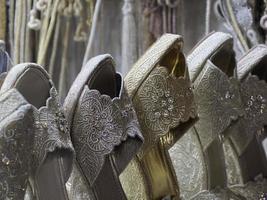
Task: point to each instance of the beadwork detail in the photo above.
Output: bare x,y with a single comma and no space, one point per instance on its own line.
254,96
51,129
164,101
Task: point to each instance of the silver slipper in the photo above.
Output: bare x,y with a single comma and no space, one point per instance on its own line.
104,129
52,153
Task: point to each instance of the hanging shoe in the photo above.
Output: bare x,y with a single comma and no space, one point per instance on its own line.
199,156
246,158
52,152
161,92
104,130
16,141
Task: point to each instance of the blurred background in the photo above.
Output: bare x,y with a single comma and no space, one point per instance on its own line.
62,35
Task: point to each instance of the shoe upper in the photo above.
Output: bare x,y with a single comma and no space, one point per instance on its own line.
215,87
16,141
254,95
161,92
211,68
103,120
51,130
160,89
247,139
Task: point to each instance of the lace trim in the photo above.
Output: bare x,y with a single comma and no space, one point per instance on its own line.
51,129
162,103
101,123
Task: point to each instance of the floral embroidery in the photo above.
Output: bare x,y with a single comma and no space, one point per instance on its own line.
103,119
164,101
101,123
254,95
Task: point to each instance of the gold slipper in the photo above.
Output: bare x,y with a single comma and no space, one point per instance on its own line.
161,92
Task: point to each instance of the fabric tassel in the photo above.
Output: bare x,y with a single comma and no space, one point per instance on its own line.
129,37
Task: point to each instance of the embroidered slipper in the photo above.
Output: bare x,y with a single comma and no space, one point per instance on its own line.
246,159
200,163
104,129
52,153
161,92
